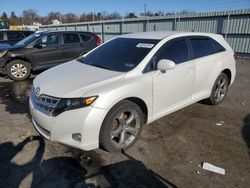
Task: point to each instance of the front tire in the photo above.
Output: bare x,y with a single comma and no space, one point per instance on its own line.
121,126
219,90
18,70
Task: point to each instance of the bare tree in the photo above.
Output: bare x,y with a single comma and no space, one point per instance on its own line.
70,18
131,15
29,16
54,15
148,13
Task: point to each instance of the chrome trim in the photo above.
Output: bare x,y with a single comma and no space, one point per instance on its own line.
43,103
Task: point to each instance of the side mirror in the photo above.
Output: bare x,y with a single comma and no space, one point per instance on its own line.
165,64
39,45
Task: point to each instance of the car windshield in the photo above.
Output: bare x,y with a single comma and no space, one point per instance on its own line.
28,39
120,54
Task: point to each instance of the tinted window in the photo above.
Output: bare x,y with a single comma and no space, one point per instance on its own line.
14,35
50,40
201,47
217,47
175,50
27,33
120,54
28,39
86,37
1,36
70,38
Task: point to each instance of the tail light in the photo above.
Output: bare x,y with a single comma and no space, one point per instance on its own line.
98,40
235,56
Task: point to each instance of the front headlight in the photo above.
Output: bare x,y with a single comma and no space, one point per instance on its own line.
73,103
2,53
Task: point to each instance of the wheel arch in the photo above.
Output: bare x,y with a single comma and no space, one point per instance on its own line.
19,58
228,73
138,101
142,105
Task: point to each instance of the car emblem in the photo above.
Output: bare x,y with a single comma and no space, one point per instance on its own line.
37,91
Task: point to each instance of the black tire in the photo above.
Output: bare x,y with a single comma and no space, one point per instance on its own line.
112,124
22,66
219,92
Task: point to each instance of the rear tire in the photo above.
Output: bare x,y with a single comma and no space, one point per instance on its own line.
121,126
18,70
219,90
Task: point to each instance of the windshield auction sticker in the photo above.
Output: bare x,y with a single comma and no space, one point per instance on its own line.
144,45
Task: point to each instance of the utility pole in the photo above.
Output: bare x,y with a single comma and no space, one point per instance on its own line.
145,9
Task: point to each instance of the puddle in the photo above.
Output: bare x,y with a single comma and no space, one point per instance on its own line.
16,91
15,95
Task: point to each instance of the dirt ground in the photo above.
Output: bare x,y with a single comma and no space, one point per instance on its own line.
168,154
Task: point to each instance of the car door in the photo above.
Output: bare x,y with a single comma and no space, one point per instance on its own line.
46,51
207,64
173,88
71,47
88,43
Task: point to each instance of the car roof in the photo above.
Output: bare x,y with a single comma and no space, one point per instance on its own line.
60,31
159,35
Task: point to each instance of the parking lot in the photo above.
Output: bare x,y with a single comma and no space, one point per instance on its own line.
168,154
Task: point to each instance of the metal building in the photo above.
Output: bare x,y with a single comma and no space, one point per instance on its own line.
233,25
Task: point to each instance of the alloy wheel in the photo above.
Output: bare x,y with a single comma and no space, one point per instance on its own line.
19,70
125,128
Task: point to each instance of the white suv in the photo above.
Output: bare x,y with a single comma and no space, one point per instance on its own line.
105,97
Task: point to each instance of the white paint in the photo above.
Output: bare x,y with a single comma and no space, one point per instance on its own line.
162,92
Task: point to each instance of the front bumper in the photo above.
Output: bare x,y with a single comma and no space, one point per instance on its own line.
86,121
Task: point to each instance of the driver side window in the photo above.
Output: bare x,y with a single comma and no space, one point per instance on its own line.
49,40
175,50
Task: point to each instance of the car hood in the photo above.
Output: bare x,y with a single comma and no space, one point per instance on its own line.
5,47
8,47
73,79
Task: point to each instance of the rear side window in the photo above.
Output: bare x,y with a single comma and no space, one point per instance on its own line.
1,36
86,37
70,38
175,50
218,47
14,35
201,47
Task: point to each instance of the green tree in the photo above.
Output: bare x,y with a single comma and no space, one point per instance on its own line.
4,16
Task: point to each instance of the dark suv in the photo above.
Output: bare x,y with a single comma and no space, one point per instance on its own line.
12,37
43,50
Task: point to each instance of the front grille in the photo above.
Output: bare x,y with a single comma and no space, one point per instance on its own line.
43,103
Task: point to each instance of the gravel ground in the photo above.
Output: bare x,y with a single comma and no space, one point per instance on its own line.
168,154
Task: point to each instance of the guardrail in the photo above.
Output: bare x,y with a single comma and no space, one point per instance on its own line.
233,25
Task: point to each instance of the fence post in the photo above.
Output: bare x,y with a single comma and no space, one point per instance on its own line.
103,31
121,32
88,27
144,25
228,19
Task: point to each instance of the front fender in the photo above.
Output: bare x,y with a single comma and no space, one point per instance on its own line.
139,87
